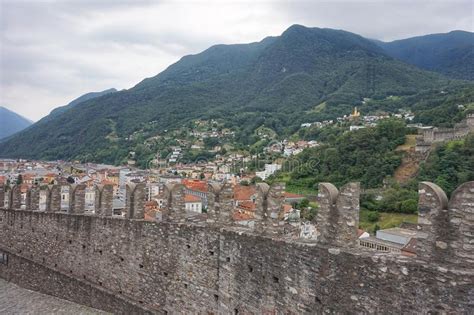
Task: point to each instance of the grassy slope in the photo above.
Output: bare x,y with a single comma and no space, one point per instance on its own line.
387,220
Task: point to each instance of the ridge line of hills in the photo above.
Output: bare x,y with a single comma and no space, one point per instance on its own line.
277,82
11,122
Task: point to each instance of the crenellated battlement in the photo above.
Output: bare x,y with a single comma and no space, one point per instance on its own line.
338,216
428,136
185,262
446,223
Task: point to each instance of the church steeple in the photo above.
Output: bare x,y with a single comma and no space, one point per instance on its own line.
355,114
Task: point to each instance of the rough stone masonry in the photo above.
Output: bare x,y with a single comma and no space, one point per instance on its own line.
209,265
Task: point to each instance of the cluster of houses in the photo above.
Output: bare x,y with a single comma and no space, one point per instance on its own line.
194,177
289,148
195,198
359,121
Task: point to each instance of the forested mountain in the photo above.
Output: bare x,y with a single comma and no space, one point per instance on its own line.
450,164
277,82
11,122
80,99
367,155
451,53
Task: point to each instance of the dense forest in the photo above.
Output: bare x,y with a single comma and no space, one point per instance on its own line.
369,156
366,155
450,164
450,53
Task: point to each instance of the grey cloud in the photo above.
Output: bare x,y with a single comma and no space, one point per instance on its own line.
56,50
383,20
166,40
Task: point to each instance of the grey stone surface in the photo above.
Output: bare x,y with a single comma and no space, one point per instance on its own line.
16,300
179,266
16,197
338,214
428,136
33,200
135,201
2,196
77,199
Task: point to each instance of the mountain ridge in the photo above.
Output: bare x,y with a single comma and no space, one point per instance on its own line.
85,97
275,81
11,122
451,53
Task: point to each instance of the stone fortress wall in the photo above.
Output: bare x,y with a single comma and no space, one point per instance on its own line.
206,264
428,136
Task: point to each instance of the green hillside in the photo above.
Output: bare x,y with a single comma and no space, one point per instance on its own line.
451,53
451,164
275,82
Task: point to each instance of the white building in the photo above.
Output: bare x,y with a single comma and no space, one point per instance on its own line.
193,203
64,198
352,128
42,200
90,199
270,169
153,189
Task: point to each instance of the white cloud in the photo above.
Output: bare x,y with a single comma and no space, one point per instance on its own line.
54,51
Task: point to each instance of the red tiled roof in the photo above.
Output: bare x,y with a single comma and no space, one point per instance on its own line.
360,232
150,214
247,205
191,198
241,216
107,182
291,195
24,188
243,192
151,203
287,208
195,184
410,247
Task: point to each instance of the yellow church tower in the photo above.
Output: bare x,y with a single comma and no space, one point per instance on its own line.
355,114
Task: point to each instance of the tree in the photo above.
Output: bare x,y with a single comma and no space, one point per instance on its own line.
255,180
373,216
70,180
19,179
210,142
304,203
376,228
409,206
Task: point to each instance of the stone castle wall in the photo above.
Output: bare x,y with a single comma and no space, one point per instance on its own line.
182,265
427,137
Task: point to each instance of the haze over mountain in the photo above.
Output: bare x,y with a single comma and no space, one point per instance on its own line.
11,122
450,53
278,82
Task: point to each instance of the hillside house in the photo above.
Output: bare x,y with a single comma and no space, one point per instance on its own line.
193,203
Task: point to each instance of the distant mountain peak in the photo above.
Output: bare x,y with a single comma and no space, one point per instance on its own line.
451,54
11,122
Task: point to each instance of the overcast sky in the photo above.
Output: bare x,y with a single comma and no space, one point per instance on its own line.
54,51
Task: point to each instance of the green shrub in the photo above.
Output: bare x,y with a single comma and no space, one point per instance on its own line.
373,216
